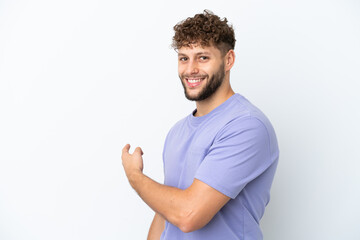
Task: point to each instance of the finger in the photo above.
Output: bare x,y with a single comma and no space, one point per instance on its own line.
138,149
126,149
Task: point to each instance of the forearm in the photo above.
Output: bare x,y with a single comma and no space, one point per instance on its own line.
171,203
188,209
156,228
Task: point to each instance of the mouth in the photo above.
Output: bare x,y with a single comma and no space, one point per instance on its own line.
193,82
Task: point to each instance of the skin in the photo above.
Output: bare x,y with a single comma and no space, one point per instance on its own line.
156,228
196,60
192,208
209,87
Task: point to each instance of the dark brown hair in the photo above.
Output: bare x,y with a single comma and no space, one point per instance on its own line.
205,29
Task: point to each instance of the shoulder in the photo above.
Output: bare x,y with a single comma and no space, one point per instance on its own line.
176,129
243,129
247,122
242,114
178,125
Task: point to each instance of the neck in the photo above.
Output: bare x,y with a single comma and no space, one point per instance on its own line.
220,96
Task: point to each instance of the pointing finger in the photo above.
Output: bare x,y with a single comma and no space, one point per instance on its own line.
126,149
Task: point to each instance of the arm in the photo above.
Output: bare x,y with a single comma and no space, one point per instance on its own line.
188,209
156,228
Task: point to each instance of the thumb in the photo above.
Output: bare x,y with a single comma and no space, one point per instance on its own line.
138,149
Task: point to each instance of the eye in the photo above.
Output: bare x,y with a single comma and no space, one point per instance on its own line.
204,58
183,59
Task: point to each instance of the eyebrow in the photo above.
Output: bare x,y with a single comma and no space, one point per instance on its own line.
198,53
203,53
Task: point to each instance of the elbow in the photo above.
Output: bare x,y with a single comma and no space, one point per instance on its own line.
186,226
189,223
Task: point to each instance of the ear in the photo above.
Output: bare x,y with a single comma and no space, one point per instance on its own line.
229,60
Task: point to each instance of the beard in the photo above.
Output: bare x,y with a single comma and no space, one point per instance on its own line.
209,89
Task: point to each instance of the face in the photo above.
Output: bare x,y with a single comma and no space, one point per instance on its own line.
201,71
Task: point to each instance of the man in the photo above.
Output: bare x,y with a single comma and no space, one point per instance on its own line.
219,161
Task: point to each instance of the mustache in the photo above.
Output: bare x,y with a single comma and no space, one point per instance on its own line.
193,76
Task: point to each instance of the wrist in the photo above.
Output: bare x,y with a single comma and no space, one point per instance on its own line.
134,177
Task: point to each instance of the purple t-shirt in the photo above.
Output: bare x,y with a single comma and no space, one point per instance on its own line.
232,149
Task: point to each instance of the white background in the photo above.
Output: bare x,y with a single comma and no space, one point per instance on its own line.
80,79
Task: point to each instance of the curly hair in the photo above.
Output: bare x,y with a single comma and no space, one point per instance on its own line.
205,29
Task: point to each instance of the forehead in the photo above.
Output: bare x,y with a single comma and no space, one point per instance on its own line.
195,49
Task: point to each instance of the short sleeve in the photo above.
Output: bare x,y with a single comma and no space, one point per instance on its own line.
239,154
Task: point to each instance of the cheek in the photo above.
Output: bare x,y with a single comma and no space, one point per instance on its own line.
214,68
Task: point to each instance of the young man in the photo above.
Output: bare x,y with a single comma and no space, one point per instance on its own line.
219,161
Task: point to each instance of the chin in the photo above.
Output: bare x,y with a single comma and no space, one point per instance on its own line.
192,96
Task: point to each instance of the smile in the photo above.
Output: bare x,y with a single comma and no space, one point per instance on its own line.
194,82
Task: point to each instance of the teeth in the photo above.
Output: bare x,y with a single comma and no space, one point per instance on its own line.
193,80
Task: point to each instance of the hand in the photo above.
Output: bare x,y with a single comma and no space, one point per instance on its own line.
132,163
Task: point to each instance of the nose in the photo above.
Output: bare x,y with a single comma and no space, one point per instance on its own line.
192,68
